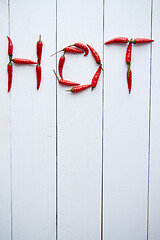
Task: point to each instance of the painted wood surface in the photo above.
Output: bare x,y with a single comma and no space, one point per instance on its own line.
86,165
5,165
154,191
79,124
33,122
126,122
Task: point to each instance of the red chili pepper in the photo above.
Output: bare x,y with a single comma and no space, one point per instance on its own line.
68,83
95,78
79,88
83,47
23,61
95,54
38,73
9,70
65,82
60,65
128,52
72,50
39,49
10,46
69,50
117,40
129,80
142,40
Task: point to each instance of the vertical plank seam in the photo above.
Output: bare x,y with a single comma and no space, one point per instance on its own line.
56,132
149,142
102,202
10,141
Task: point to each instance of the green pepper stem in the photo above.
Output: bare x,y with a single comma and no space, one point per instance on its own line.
128,67
101,67
133,41
10,58
64,54
71,90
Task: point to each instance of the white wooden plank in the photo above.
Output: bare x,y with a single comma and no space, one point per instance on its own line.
33,122
154,197
5,193
79,124
126,122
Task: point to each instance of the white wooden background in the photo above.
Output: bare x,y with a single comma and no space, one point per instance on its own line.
80,166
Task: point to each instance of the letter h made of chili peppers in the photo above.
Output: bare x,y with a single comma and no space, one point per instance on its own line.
17,61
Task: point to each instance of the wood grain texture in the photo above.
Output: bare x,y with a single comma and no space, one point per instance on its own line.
5,186
33,122
79,124
126,125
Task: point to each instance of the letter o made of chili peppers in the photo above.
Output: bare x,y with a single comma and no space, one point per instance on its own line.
70,49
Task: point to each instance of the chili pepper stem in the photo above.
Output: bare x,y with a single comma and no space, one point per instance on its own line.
10,60
128,67
71,45
40,38
92,88
128,72
57,52
56,75
101,67
69,90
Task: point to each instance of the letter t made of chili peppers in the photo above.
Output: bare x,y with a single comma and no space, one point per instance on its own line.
128,61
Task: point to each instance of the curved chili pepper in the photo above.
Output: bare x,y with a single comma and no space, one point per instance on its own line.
129,80
39,49
23,61
9,70
95,78
72,50
142,40
95,54
117,40
65,82
38,73
128,52
60,65
79,88
69,50
83,47
10,47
